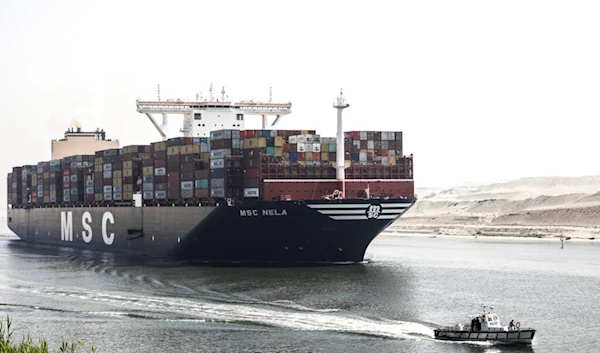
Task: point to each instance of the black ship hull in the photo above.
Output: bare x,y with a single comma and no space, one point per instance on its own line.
276,232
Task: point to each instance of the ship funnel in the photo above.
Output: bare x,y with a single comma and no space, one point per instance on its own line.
340,105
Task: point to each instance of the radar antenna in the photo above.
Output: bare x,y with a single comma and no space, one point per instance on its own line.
158,92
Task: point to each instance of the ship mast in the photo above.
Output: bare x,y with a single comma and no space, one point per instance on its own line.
340,105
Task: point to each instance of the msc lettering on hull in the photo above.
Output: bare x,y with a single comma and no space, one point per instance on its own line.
256,213
66,227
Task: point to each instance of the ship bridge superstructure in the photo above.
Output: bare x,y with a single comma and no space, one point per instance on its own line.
202,116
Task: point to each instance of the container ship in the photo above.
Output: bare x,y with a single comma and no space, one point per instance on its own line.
220,194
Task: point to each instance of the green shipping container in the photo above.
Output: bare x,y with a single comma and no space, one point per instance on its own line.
270,151
332,147
202,184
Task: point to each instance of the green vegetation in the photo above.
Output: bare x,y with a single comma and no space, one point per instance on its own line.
27,346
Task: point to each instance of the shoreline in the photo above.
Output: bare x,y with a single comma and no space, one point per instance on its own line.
390,232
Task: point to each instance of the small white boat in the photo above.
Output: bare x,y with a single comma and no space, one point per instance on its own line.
485,327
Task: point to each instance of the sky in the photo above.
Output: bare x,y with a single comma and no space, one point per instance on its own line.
483,91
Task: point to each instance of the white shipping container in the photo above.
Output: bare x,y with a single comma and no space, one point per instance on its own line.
160,195
117,196
308,147
217,163
107,189
89,190
363,135
217,192
148,195
108,196
221,153
107,167
187,185
362,156
385,160
160,171
356,143
292,139
301,139
316,147
117,189
370,145
301,147
391,153
251,192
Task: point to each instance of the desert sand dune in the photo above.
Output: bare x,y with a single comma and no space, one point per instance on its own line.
528,207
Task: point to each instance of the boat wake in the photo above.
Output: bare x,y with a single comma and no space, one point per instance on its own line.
278,314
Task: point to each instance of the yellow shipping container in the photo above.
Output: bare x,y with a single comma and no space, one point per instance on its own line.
262,142
127,188
279,141
205,157
117,174
98,168
301,163
251,143
324,156
278,151
148,171
98,161
98,197
304,132
161,146
127,165
308,156
127,195
145,155
46,199
324,147
392,160
127,172
189,149
46,175
117,181
173,151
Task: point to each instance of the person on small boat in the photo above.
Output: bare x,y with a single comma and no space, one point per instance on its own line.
474,324
511,325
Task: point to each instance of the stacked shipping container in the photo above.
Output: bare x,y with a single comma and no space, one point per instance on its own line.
229,164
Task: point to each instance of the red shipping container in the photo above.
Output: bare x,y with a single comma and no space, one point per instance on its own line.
316,156
66,172
384,153
242,134
174,185
251,183
160,163
189,141
202,174
201,193
355,135
301,156
251,173
250,134
173,176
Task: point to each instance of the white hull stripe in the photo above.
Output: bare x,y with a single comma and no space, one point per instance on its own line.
361,212
362,218
348,212
360,205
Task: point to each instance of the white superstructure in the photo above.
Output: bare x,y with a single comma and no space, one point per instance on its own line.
200,117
